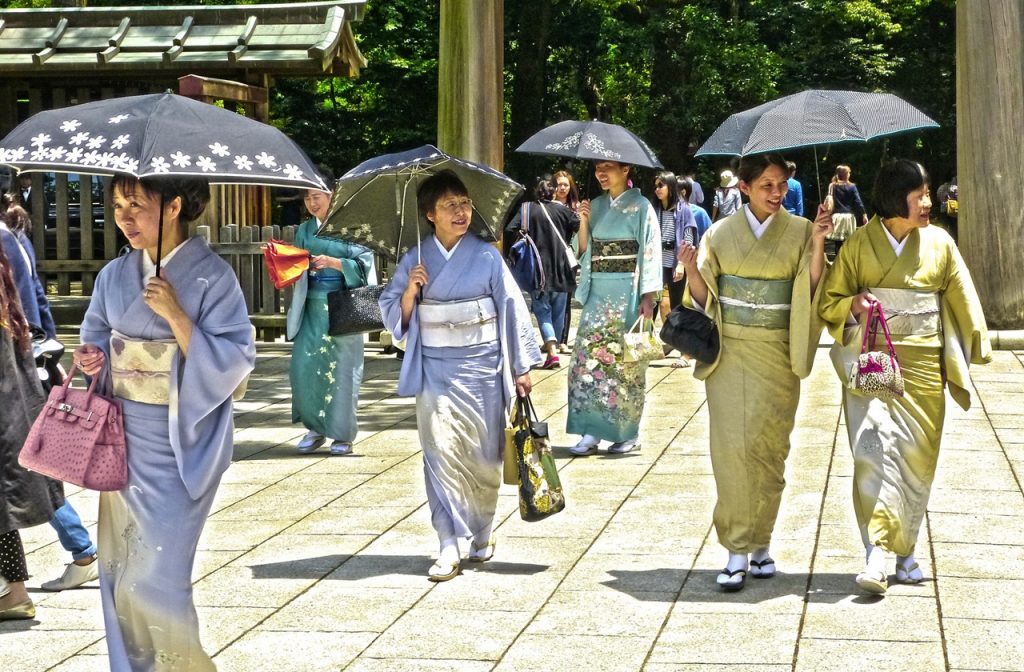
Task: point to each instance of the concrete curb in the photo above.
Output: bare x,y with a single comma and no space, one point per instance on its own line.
1007,339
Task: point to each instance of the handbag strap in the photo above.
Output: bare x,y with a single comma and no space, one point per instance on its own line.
524,218
71,374
876,318
553,227
638,326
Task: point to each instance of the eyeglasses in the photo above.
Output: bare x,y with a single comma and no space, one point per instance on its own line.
659,185
454,206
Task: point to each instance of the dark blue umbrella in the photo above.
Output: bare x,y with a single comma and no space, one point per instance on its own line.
374,204
816,117
591,141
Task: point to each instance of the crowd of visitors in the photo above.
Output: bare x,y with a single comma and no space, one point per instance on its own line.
759,273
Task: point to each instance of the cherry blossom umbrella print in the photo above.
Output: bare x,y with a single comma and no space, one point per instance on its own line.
159,134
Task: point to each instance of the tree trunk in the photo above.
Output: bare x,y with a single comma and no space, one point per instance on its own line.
990,164
529,84
470,113
668,79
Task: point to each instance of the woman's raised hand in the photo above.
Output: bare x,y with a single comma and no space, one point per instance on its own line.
687,256
583,209
89,359
417,278
160,296
822,224
861,303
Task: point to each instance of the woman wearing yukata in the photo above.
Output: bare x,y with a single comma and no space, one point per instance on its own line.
935,318
757,276
325,371
620,274
173,347
470,346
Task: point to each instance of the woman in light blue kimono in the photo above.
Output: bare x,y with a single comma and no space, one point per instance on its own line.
620,275
173,348
325,370
470,346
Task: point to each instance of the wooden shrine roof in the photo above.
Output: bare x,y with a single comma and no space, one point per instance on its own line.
305,39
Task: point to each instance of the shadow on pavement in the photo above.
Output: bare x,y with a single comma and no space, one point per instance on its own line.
699,586
358,567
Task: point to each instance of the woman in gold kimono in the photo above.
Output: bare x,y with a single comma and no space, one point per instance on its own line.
757,277
918,276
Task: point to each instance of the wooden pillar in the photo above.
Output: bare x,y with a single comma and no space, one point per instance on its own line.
471,81
990,164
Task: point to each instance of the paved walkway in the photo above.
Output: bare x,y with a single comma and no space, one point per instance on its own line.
318,563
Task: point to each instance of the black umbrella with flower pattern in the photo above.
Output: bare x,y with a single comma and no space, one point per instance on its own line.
155,135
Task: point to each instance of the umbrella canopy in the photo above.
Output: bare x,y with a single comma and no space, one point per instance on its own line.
374,204
154,135
591,141
815,117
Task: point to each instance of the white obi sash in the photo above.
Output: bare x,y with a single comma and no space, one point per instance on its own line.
909,312
447,324
141,369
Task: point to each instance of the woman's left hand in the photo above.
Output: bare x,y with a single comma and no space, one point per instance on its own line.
524,385
160,296
822,224
647,306
322,261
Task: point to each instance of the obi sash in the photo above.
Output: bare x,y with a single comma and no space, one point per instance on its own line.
614,256
751,302
448,324
141,369
909,312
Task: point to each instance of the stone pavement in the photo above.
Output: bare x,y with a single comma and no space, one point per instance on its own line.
318,563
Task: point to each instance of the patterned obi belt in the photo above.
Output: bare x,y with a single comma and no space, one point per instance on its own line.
455,324
751,302
614,256
141,369
909,312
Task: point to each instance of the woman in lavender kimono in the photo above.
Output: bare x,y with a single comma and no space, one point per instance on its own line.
325,370
173,347
620,274
470,346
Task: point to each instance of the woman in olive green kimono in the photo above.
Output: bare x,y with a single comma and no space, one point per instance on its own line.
917,275
756,275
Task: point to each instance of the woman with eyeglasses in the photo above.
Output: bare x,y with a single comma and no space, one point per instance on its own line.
677,226
620,274
470,346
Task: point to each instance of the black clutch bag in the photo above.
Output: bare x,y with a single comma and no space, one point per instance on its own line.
692,333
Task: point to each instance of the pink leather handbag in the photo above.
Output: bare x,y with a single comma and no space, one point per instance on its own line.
78,438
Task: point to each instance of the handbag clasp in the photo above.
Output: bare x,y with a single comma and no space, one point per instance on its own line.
67,408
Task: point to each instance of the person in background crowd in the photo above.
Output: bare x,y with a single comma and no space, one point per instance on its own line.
620,276
915,272
847,208
470,349
677,226
794,201
757,276
551,225
948,195
727,197
697,192
700,215
26,497
568,195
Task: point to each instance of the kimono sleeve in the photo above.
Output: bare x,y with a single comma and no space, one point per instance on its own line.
964,332
391,299
519,343
840,286
649,268
710,269
221,354
805,323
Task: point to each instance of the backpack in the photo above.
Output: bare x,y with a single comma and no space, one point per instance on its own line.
524,257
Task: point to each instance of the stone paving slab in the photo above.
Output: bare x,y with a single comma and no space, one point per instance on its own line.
310,562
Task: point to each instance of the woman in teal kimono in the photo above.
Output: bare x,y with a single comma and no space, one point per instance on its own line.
620,275
325,370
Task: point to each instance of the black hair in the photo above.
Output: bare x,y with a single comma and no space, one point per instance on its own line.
194,192
753,165
685,189
545,189
669,179
326,173
433,188
893,182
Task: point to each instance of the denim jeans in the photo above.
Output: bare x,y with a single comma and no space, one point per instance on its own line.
72,533
549,307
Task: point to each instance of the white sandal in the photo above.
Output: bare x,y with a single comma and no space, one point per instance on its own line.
909,573
443,570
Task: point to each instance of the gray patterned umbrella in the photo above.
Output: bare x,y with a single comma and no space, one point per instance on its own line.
374,204
815,117
158,134
591,141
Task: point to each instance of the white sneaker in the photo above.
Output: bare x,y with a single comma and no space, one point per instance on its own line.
341,448
74,576
310,442
587,445
624,446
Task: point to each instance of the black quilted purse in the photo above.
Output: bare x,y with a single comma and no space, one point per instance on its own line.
354,310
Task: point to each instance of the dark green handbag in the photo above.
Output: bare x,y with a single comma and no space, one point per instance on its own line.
540,490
